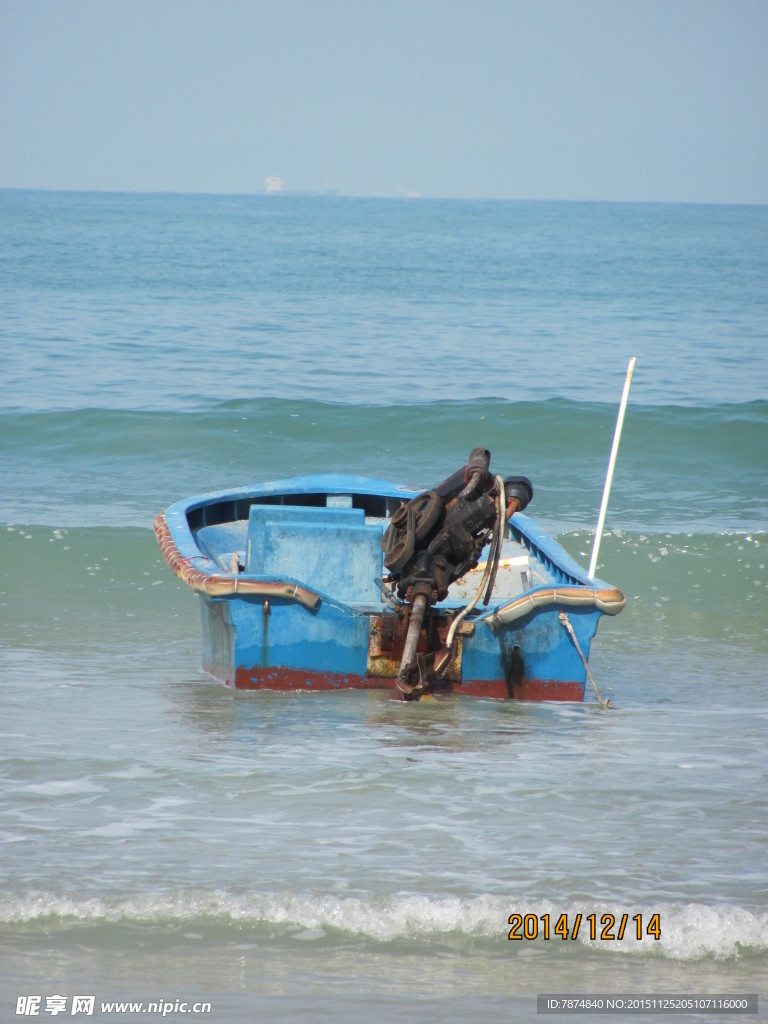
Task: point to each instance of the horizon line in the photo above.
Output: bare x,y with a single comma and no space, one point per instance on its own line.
398,195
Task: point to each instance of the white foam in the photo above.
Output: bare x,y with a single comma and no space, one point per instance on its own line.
63,787
695,931
688,931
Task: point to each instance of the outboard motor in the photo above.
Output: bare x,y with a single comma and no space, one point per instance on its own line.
438,536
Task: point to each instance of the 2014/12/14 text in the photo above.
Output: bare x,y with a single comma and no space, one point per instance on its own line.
604,927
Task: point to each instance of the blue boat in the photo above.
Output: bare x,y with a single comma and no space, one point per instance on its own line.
334,581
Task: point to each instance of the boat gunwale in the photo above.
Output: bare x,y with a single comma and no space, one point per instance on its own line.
184,556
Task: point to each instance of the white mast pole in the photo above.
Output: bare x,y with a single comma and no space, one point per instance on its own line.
611,465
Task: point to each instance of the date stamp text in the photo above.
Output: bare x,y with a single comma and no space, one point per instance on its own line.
596,927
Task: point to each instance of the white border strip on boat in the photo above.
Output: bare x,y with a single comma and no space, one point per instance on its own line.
218,585
609,601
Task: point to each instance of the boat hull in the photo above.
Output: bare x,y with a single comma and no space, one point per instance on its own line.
256,645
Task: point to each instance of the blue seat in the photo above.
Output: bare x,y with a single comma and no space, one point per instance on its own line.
331,550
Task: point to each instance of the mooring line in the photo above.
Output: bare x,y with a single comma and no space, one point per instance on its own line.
566,622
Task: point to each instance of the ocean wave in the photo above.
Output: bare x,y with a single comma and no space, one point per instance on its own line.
688,931
678,468
697,584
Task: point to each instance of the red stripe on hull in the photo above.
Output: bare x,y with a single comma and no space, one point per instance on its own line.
299,679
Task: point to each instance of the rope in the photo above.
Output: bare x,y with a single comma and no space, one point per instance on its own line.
498,537
566,623
489,566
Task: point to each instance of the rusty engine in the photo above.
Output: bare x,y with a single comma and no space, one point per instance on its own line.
438,536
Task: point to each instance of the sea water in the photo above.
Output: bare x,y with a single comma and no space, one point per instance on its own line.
337,856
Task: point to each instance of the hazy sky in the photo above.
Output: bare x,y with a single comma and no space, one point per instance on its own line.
562,99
